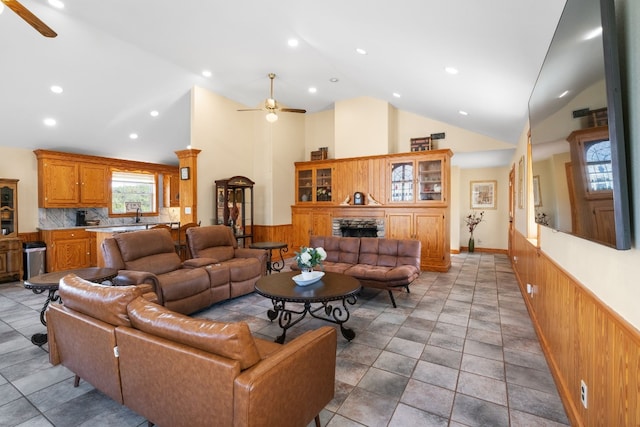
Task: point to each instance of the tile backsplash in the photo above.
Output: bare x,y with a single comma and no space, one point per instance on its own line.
64,218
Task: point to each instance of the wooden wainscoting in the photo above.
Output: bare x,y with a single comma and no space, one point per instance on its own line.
583,339
275,233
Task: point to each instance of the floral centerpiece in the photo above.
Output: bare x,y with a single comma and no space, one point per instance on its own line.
308,258
472,221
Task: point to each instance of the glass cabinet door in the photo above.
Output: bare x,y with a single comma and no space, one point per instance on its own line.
305,186
402,182
7,210
323,185
430,180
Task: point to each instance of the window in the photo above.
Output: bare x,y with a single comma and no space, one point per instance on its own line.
131,191
598,165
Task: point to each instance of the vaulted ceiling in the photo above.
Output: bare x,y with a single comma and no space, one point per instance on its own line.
118,60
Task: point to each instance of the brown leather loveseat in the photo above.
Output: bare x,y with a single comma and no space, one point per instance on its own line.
149,256
180,371
380,263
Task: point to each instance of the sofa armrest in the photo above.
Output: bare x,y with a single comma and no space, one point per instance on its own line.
131,277
199,262
290,386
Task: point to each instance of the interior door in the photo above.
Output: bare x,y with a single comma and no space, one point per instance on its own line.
512,206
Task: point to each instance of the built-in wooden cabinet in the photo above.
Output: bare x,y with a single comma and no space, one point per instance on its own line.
314,183
69,183
69,249
171,190
411,192
10,245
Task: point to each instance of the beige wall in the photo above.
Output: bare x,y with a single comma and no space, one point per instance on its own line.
362,127
18,163
610,274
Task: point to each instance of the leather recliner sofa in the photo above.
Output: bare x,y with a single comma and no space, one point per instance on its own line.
149,256
180,371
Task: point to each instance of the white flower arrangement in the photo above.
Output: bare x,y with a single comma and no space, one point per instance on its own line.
308,258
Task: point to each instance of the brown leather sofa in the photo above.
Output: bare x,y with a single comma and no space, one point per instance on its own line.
149,256
376,262
180,371
215,246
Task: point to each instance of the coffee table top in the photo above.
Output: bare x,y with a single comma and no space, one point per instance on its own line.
332,286
51,280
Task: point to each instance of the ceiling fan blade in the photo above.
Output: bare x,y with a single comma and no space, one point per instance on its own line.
250,109
31,19
293,110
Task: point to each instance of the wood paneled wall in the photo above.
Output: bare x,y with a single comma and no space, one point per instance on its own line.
275,233
583,339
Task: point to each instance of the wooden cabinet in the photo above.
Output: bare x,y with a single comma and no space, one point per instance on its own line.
171,190
69,183
314,183
309,222
422,179
69,249
430,226
10,245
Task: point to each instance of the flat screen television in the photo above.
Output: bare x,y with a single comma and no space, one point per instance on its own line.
577,136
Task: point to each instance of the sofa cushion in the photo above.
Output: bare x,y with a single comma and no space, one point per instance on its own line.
338,249
214,241
230,340
183,283
148,250
106,303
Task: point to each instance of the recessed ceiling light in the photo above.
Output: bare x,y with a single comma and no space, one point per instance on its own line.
50,122
463,113
133,135
292,42
563,94
56,89
333,80
57,4
154,113
361,51
313,90
451,70
396,95
207,73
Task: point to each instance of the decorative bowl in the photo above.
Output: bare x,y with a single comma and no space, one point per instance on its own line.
315,276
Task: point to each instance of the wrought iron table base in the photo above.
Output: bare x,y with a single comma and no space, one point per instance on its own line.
276,265
339,315
40,339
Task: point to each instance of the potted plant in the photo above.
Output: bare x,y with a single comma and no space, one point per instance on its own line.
472,221
308,258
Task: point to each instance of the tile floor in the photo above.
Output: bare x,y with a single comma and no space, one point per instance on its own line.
459,350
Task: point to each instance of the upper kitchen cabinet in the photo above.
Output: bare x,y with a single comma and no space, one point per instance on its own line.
9,207
422,179
66,182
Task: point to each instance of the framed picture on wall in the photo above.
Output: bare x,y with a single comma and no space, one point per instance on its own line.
483,194
537,197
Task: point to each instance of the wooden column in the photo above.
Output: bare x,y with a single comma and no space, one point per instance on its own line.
188,185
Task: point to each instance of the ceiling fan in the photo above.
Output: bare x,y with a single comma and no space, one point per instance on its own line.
31,19
271,105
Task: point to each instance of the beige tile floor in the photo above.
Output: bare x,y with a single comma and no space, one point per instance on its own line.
459,350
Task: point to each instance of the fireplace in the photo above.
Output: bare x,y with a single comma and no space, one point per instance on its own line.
358,227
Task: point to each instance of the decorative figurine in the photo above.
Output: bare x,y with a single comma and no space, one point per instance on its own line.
346,200
371,200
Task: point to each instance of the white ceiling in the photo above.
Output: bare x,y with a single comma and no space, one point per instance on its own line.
119,59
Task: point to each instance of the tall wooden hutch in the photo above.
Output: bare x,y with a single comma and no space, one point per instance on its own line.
234,206
10,245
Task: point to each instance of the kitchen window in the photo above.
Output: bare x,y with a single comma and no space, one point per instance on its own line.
131,191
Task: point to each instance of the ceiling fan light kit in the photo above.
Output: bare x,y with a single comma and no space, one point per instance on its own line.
271,105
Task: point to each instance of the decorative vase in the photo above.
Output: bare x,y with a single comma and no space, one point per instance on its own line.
307,273
472,244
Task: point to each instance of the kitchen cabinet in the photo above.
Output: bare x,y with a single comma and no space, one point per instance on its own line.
314,182
171,190
69,183
422,180
10,245
69,249
310,222
430,226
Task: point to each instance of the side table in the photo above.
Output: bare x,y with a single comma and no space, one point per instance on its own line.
269,246
50,281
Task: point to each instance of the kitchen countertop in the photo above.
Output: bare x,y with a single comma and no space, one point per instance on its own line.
114,228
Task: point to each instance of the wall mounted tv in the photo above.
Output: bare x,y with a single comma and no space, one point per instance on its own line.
576,121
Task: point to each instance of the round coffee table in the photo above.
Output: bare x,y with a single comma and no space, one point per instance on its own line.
50,281
281,288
